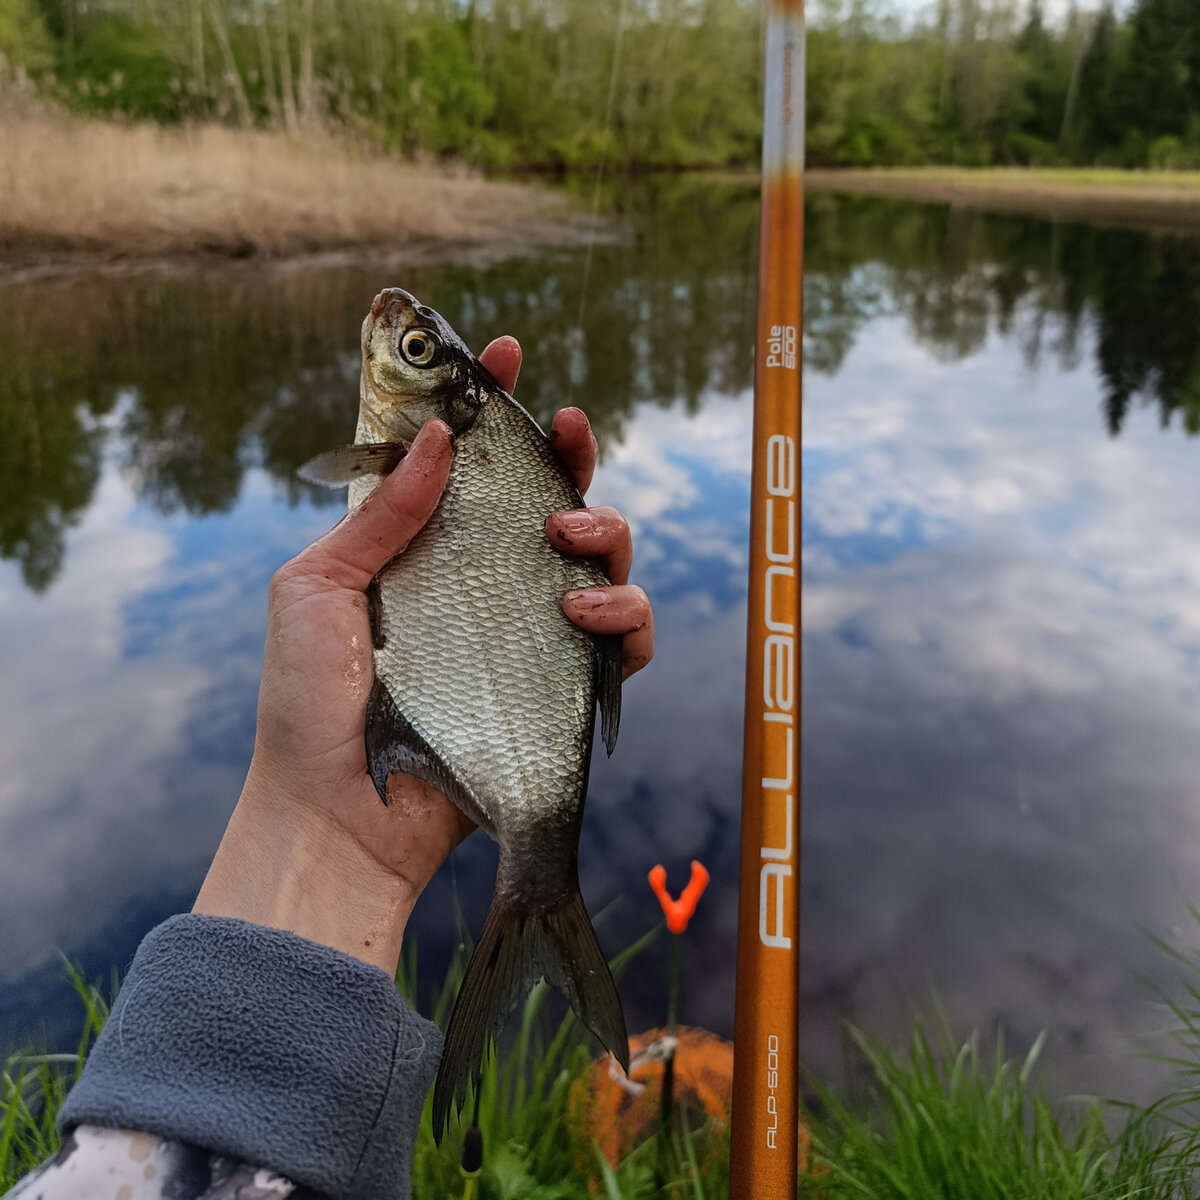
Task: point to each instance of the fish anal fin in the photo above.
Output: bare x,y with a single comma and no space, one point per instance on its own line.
394,745
609,660
516,948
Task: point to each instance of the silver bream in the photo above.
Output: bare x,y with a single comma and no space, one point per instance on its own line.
483,687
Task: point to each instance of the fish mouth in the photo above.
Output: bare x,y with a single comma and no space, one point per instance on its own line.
389,296
393,306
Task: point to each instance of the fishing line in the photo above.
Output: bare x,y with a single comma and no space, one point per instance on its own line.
606,129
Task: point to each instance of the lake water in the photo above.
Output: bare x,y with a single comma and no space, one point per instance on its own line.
1002,600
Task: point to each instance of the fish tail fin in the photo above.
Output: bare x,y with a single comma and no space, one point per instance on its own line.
516,948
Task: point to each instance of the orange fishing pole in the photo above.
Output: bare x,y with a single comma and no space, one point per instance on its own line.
763,1160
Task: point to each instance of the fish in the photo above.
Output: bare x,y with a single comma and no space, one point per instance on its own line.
483,687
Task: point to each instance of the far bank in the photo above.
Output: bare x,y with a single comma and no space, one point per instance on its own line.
1165,200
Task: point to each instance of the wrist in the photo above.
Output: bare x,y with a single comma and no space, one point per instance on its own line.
291,866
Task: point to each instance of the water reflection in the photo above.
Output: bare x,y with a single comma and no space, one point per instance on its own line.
216,373
1001,650
960,277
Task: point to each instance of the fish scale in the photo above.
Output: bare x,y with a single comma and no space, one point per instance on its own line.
488,714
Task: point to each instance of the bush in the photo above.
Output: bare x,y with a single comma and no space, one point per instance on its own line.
1169,153
1030,151
122,67
1134,152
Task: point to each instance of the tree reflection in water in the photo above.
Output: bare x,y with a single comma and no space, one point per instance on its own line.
188,379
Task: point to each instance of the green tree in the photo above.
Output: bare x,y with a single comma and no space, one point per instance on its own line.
126,67
1100,123
1159,88
25,45
1046,66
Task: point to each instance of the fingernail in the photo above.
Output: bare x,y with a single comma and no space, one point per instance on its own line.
591,598
576,521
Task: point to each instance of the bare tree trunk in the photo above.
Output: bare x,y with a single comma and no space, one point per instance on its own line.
70,23
267,59
308,99
403,84
232,75
286,92
198,45
1082,45
946,72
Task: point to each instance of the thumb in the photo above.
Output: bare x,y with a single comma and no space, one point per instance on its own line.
355,550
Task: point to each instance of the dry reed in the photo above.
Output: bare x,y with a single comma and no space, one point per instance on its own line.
114,189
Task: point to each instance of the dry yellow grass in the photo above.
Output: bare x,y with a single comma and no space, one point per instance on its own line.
70,186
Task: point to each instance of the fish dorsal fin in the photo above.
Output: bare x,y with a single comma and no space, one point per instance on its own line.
609,655
336,468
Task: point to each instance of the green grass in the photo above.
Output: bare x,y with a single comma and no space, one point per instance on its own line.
1018,177
949,1120
956,1121
33,1087
943,1119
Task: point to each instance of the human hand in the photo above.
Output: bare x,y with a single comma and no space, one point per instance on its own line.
309,848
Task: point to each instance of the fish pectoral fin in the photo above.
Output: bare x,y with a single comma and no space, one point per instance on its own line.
336,468
609,657
394,745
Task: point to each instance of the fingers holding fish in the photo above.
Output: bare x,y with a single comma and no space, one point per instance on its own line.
573,441
367,539
595,533
502,358
624,610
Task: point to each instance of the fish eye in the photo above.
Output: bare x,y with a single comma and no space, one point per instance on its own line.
419,346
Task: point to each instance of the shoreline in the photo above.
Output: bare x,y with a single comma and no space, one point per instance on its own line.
82,196
119,198
1160,201
31,267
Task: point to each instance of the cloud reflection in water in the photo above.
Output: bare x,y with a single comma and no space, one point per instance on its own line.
1002,628
1000,702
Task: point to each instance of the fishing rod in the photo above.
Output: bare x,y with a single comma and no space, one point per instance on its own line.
763,1155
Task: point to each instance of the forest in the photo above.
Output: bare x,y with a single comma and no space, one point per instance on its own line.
560,84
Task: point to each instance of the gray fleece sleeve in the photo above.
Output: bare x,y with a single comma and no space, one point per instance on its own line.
267,1048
